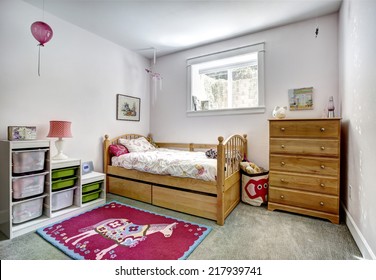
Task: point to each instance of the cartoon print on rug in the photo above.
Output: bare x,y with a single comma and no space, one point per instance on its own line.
123,232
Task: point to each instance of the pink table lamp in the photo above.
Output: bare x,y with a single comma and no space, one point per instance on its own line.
60,129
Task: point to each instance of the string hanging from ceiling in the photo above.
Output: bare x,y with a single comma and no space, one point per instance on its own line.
156,77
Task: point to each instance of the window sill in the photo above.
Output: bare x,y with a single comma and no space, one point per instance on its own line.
226,112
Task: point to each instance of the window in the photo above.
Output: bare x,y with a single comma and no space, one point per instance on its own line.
230,82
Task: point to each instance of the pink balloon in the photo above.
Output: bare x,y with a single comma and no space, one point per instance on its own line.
42,32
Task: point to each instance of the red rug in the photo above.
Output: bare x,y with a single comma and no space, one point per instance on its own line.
117,231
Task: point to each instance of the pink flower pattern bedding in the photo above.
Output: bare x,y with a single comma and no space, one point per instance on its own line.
170,162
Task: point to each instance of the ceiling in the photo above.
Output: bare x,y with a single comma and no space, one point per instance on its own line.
174,25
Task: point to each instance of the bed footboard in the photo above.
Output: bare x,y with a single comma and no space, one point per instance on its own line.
230,153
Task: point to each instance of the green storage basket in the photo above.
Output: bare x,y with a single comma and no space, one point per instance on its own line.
91,196
91,187
63,183
63,172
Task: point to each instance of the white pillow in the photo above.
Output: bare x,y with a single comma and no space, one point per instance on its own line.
137,145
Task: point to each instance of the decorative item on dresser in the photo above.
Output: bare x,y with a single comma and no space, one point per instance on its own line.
305,166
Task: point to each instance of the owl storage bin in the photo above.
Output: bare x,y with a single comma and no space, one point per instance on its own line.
255,188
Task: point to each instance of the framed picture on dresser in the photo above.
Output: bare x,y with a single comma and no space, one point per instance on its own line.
128,108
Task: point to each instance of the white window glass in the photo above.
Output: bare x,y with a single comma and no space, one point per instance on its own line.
229,82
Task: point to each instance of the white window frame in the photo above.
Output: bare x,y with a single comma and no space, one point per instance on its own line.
260,49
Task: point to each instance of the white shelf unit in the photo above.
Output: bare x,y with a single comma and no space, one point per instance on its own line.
7,202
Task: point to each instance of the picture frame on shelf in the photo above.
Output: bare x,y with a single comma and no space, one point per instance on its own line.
16,133
128,108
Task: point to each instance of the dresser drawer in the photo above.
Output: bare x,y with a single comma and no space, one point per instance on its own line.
311,165
318,184
304,147
305,128
319,202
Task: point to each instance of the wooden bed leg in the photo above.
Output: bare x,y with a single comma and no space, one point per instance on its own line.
220,217
107,184
106,158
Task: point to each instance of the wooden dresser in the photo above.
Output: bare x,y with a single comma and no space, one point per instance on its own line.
304,166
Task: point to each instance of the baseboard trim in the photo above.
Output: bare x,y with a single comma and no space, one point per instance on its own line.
362,243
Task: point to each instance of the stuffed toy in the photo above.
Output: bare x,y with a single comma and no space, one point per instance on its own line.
250,167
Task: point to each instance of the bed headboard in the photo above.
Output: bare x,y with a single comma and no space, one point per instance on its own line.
107,142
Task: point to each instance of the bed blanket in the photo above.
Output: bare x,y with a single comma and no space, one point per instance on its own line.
170,162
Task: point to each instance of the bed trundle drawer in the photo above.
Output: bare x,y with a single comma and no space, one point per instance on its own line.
128,188
187,202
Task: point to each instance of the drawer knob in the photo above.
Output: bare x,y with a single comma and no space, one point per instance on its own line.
283,180
322,148
322,185
322,129
283,163
321,203
282,196
322,166
282,146
282,129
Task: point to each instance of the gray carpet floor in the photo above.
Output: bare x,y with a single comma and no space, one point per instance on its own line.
249,233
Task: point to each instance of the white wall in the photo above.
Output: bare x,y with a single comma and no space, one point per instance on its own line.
357,45
81,74
294,58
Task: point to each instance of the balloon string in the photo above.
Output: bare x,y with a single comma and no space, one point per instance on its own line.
39,60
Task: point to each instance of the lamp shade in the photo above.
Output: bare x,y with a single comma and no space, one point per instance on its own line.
60,129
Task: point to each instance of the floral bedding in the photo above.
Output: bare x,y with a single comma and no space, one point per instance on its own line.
170,162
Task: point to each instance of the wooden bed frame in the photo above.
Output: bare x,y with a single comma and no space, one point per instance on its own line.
208,199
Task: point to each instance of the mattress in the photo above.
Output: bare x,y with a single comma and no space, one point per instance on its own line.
170,162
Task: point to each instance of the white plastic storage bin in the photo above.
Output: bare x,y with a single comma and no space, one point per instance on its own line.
27,210
28,160
62,199
29,185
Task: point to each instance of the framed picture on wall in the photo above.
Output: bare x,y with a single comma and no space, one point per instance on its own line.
128,108
301,99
